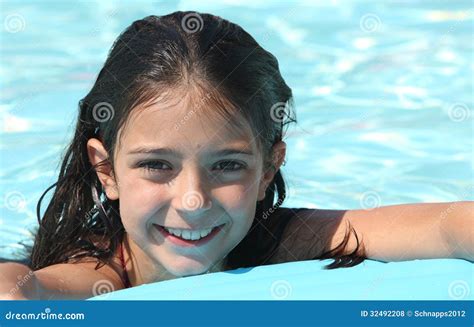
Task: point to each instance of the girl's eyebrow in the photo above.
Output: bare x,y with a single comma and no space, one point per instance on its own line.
171,152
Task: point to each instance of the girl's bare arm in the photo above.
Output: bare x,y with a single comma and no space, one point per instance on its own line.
389,233
59,281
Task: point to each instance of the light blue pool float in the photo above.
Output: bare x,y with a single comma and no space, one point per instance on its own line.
429,279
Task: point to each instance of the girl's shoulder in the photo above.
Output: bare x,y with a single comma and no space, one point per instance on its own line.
78,278
287,212
299,213
111,267
314,216
314,223
307,232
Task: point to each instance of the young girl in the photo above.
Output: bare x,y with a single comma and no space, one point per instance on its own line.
174,170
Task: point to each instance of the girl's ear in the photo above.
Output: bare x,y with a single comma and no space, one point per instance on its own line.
98,154
278,157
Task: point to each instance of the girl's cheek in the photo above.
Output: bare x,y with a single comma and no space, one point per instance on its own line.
140,201
237,198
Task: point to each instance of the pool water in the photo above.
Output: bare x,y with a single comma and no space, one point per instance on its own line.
383,95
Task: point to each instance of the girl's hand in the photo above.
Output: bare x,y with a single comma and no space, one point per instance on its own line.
388,233
17,282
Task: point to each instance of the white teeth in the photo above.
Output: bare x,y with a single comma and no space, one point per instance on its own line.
176,232
189,235
205,232
186,234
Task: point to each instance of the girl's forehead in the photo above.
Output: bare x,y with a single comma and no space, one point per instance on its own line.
183,124
175,108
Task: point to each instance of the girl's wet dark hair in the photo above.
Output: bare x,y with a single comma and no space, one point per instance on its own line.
153,55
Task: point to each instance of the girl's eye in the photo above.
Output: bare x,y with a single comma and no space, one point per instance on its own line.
153,165
230,166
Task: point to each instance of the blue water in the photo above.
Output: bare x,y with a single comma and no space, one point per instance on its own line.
383,94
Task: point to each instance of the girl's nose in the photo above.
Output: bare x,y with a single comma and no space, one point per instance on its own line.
191,196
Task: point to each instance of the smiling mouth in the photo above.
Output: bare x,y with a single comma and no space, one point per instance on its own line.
186,238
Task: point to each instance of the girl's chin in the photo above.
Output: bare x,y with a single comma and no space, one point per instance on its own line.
190,270
181,266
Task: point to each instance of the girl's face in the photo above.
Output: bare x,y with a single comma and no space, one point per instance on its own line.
179,168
